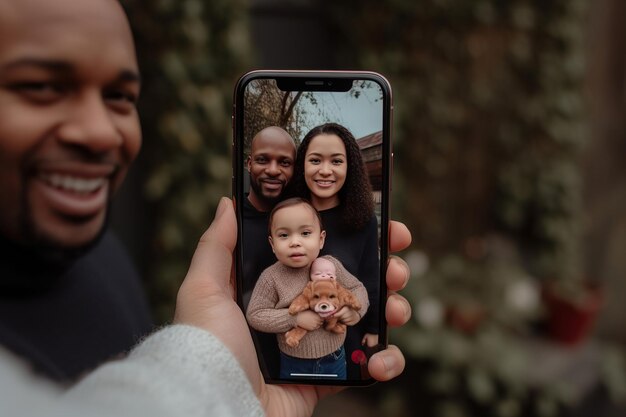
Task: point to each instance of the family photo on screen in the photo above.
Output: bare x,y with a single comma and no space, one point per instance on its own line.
310,228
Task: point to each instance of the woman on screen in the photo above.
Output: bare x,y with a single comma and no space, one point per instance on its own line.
330,172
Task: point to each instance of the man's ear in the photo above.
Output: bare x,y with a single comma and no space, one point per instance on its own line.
322,238
271,243
248,162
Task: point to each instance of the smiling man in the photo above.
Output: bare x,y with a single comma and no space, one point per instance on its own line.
69,129
270,168
68,124
270,165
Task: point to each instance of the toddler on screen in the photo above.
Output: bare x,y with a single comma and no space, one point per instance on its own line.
296,237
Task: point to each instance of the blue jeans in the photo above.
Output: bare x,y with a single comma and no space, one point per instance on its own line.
332,366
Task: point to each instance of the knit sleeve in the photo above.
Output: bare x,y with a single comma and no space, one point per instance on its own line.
262,314
180,370
350,282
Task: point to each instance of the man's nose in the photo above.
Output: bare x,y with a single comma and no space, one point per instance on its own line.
90,125
273,168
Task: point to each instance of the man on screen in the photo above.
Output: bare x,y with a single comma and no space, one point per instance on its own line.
270,168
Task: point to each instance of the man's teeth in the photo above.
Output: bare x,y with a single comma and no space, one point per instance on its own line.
75,184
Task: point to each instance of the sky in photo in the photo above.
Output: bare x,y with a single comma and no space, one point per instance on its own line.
362,115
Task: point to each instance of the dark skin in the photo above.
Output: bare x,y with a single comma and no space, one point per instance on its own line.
69,128
270,164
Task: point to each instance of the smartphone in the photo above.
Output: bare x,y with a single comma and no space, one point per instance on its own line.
312,164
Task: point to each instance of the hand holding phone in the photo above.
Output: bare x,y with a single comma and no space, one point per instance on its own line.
312,159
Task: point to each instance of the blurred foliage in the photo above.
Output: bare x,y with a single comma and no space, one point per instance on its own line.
489,118
489,126
191,53
473,315
474,341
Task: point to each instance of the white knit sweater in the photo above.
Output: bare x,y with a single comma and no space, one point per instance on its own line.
178,371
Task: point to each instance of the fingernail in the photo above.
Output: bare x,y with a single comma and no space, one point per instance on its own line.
390,362
407,308
407,270
222,206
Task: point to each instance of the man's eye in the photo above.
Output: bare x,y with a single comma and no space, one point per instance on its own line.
316,296
260,160
39,91
120,99
333,296
120,96
285,164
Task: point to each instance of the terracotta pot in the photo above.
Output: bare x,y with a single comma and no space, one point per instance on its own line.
569,321
466,318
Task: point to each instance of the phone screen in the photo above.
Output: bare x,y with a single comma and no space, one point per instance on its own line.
312,160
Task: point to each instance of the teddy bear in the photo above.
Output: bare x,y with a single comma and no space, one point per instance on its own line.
323,295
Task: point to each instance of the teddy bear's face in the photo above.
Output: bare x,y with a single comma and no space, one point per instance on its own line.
324,297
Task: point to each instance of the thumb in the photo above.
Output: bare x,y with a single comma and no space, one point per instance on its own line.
213,255
205,297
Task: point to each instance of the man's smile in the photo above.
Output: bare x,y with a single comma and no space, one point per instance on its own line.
73,189
74,184
272,184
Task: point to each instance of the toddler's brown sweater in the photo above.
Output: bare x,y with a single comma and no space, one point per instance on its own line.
276,288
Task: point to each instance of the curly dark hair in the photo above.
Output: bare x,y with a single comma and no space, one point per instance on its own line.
355,197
